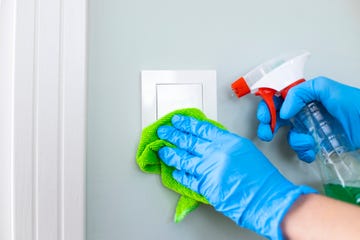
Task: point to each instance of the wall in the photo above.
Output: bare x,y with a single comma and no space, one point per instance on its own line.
228,36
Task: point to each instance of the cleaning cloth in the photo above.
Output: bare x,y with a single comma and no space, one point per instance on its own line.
149,162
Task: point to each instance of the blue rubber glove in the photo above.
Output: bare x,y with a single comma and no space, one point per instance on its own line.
231,173
302,144
263,115
340,100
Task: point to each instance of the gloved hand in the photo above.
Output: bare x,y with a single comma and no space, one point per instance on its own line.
340,100
231,173
263,115
302,144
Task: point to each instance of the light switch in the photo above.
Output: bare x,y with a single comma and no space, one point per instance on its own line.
165,91
175,96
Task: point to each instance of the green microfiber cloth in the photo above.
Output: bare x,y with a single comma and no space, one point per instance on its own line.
148,161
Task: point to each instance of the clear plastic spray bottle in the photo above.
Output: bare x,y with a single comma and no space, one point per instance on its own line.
339,162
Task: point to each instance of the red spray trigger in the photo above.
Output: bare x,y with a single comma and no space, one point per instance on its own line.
241,88
267,94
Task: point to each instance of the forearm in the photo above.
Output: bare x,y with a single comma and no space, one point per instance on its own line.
317,217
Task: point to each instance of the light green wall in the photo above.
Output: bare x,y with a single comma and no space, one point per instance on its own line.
229,36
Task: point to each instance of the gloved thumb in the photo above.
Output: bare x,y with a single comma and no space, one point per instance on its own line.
297,98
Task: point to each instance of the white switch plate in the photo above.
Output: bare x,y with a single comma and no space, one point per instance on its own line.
166,91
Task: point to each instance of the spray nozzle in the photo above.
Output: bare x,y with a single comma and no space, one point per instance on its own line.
240,87
274,77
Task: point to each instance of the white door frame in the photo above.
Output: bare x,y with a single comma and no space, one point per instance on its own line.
48,112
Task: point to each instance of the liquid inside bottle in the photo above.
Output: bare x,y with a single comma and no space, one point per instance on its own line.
339,162
344,193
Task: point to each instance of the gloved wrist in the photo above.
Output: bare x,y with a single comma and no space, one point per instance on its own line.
276,200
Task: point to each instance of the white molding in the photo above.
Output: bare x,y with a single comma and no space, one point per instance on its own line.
22,149
74,60
49,98
7,25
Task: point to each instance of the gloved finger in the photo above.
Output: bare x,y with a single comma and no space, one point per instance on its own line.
264,132
186,179
198,128
301,141
188,142
303,144
263,115
296,99
300,95
263,112
307,156
180,159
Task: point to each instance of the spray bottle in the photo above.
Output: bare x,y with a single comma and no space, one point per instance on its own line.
339,161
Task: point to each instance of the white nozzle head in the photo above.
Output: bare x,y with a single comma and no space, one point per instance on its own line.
278,73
